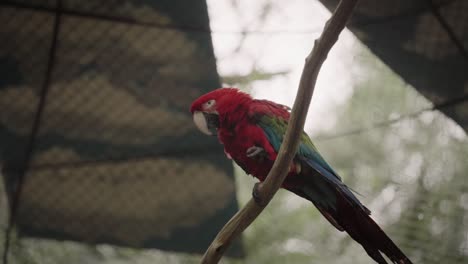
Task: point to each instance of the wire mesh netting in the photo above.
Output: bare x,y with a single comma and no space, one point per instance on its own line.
97,144
425,42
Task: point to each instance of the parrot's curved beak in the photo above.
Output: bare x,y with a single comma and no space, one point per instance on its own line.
206,122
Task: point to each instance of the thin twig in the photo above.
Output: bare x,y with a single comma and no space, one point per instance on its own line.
267,189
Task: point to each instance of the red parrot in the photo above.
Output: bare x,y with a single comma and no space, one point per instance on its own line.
252,131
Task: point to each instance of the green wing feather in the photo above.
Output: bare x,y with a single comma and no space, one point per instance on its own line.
275,128
320,192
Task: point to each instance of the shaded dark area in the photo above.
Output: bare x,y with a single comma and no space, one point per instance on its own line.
424,41
96,141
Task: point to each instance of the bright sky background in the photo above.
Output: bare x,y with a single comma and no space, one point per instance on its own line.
300,23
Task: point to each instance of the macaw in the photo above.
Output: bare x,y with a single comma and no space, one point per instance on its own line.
252,131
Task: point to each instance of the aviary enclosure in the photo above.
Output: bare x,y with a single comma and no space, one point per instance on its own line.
101,161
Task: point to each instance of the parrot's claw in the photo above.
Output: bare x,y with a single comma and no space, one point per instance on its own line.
256,194
256,152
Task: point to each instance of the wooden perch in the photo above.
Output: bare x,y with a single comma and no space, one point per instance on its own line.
267,189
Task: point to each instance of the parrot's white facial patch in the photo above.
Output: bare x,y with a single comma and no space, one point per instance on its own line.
210,104
201,123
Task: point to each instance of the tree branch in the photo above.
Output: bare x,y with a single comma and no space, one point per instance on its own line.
267,189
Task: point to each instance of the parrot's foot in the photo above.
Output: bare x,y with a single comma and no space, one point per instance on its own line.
256,194
255,152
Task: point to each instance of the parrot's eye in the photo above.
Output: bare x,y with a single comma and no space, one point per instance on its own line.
210,103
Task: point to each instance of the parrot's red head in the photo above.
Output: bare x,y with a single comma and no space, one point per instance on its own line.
211,108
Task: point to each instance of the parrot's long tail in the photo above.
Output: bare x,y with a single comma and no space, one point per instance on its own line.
344,211
360,226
